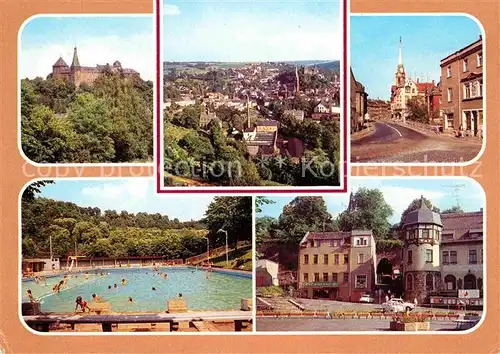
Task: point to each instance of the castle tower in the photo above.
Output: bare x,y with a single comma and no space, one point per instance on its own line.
400,72
75,63
60,69
422,238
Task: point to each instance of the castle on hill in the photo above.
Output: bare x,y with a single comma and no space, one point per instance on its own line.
78,74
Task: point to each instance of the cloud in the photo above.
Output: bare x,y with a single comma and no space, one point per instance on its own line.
135,51
139,195
171,10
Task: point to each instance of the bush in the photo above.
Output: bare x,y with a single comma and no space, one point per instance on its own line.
270,291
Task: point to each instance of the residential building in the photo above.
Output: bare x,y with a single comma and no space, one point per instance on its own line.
359,105
336,265
266,273
462,88
442,254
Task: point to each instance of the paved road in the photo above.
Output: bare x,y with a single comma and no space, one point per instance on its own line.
395,143
268,324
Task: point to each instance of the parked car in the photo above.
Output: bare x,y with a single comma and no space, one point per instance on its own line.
366,298
397,305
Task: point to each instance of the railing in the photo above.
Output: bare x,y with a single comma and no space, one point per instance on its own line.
215,252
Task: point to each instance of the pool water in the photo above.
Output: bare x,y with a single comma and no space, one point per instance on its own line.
219,292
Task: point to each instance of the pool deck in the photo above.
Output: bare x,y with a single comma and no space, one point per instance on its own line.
200,320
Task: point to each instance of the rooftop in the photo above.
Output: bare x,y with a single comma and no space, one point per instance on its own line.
423,215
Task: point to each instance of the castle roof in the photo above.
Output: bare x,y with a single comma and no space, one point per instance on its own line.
466,226
423,215
60,63
75,61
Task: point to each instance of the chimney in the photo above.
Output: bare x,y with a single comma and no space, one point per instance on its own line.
481,210
418,80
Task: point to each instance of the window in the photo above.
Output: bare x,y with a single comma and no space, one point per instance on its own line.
325,277
361,258
312,243
357,242
428,256
480,92
465,64
325,259
450,94
336,259
410,257
315,259
429,282
346,258
479,59
316,277
450,282
334,277
425,233
453,257
306,259
364,241
409,282
333,243
306,277
481,253
472,256
446,257
346,277
407,89
318,243
467,90
449,120
360,281
448,71
412,90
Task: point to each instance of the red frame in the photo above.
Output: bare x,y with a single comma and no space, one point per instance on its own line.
256,190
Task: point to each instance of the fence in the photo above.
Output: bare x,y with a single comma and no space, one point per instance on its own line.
215,252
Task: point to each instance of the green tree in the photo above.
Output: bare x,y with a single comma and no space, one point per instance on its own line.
260,201
417,109
453,209
302,215
91,121
369,211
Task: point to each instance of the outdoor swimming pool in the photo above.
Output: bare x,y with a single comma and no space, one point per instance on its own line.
219,292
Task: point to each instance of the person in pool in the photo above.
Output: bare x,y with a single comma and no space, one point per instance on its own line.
129,299
153,288
82,303
115,286
96,297
179,295
30,296
86,275
109,287
124,282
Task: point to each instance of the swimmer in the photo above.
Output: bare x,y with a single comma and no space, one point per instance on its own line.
30,296
153,288
179,295
166,276
96,297
115,286
86,275
82,303
109,287
129,299
124,282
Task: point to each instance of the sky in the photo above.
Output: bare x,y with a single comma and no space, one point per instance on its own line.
399,193
133,195
258,30
99,40
426,40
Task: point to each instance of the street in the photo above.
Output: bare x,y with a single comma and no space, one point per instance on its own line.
321,324
391,142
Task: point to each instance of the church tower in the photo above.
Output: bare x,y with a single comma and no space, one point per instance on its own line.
422,239
297,81
400,72
75,73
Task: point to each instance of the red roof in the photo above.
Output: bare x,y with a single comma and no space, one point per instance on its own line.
461,225
328,235
60,63
422,86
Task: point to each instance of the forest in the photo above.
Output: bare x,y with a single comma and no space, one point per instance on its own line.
108,121
109,233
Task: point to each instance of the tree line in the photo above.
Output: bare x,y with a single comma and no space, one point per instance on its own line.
110,233
108,121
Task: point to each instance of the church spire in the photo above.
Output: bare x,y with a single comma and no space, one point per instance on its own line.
400,62
76,62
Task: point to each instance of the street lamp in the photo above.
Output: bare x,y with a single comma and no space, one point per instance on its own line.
227,254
